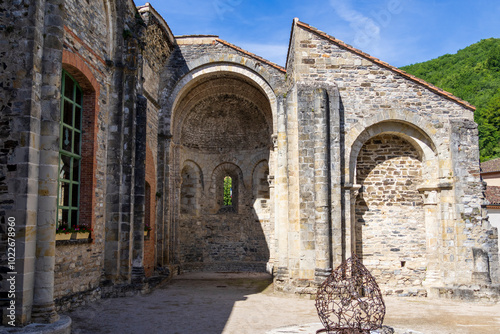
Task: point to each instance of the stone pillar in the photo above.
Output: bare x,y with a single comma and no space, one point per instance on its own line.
20,151
337,174
433,277
138,273
43,299
351,192
162,209
281,202
272,247
321,186
175,183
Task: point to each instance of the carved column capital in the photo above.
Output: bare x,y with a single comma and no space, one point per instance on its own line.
275,141
353,189
270,180
430,197
430,191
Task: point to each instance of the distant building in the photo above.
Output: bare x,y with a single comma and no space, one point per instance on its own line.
490,172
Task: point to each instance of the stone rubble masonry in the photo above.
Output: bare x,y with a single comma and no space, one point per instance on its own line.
376,99
94,51
338,153
79,266
390,230
21,48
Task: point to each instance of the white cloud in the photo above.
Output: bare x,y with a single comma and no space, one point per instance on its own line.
365,30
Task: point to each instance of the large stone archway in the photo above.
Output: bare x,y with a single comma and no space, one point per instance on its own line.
222,122
389,212
394,222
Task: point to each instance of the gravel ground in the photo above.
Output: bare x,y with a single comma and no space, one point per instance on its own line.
245,303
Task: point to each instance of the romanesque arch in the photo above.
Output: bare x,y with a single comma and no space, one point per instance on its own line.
389,216
222,124
390,224
204,68
416,135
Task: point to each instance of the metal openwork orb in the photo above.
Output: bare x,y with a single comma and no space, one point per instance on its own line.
349,301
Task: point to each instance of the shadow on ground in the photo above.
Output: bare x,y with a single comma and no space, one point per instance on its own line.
198,303
244,303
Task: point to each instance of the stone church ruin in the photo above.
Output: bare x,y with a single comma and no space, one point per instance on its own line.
109,121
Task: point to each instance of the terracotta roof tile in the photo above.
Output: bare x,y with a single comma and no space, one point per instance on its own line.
490,166
493,194
253,55
389,67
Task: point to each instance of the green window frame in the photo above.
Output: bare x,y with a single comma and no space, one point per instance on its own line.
70,144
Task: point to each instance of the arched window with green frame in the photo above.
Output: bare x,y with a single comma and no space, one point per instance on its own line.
70,142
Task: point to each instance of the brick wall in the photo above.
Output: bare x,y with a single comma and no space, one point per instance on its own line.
78,269
78,266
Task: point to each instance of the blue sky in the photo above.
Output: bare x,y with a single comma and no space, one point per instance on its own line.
400,32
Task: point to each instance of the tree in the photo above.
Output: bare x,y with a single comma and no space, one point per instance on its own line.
228,191
472,74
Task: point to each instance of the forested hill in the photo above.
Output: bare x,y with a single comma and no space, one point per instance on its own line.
472,74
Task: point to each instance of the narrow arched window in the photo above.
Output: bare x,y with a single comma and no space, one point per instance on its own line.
70,141
228,191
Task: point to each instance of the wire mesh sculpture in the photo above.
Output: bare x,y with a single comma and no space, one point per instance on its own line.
349,301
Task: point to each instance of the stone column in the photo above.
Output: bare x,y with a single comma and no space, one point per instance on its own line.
162,210
272,247
272,263
43,299
321,186
175,183
432,236
337,173
138,273
351,192
281,185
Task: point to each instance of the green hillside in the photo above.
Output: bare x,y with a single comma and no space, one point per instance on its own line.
472,74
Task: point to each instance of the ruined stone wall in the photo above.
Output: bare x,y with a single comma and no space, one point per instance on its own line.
367,88
375,99
390,230
79,265
476,241
188,56
222,124
126,150
90,23
21,40
211,236
155,54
